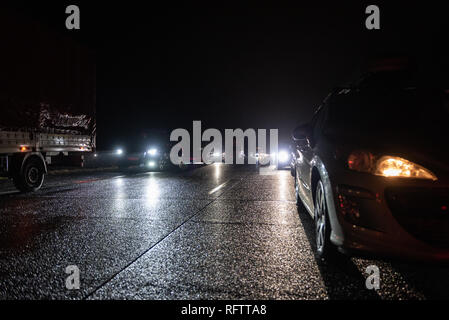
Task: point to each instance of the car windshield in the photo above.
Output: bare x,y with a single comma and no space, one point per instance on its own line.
384,112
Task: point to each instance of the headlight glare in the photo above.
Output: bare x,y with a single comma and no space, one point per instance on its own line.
283,156
151,163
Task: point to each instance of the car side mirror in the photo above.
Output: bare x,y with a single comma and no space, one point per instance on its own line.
301,132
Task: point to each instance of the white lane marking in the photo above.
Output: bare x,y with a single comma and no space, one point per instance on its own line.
219,187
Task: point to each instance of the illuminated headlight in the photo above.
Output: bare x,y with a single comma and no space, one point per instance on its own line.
397,167
388,166
151,163
283,156
152,152
119,151
216,154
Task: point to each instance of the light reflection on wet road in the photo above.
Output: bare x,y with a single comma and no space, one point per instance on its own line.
216,232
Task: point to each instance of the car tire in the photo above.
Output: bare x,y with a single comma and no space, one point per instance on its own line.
324,247
32,176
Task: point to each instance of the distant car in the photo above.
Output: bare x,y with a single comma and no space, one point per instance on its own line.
156,159
146,149
280,159
153,159
260,157
372,170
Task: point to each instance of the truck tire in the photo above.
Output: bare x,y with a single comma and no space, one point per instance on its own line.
31,177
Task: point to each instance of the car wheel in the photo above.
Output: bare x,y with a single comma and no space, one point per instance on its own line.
324,247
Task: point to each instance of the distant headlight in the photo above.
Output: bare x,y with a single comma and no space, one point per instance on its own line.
387,166
151,163
283,157
119,151
152,152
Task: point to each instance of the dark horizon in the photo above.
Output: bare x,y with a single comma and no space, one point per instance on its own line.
233,67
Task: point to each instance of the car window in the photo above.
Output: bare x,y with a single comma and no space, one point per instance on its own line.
317,121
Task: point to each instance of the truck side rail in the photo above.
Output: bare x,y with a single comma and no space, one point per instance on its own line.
21,141
64,142
13,141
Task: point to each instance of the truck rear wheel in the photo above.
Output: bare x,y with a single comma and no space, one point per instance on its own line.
32,176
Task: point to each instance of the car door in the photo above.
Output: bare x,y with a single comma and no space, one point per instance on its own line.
304,157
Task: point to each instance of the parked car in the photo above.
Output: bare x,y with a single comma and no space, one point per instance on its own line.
372,169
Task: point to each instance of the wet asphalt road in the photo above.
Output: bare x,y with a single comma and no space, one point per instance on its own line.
216,232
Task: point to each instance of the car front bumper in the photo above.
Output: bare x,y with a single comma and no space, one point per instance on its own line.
391,216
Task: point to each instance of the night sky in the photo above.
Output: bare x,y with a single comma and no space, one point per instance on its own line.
234,65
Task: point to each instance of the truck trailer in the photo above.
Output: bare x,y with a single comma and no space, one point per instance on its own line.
47,99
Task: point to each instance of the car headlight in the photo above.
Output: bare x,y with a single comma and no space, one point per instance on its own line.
387,166
152,152
397,167
119,151
151,163
283,156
